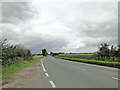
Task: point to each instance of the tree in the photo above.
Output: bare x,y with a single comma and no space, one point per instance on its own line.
51,53
54,54
60,52
113,51
118,51
103,50
44,52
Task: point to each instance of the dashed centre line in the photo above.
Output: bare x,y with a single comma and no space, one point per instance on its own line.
115,78
43,66
52,83
47,75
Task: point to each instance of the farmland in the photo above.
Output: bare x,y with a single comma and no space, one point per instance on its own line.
90,56
88,59
104,56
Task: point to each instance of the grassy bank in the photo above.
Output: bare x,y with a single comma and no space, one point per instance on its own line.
104,63
10,70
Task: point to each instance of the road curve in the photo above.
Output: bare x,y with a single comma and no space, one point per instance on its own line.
59,73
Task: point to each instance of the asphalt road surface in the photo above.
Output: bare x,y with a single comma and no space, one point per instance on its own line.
59,73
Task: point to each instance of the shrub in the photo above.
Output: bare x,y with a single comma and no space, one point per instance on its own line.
13,53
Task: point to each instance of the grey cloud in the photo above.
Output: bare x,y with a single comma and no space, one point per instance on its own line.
89,23
97,41
15,12
94,32
97,24
36,44
35,41
0,12
108,28
51,46
105,32
92,28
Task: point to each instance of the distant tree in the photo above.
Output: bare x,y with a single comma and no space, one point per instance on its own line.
44,52
51,53
60,52
103,50
54,54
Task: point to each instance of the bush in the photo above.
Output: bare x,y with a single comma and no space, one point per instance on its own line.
13,53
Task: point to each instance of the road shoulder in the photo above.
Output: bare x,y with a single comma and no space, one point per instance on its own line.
29,77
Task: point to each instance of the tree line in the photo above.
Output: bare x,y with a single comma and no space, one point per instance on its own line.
105,51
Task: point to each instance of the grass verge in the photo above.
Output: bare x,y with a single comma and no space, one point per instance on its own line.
103,63
10,70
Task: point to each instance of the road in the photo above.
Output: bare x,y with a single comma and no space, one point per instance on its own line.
59,73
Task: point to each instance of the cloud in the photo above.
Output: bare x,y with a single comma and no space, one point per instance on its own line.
32,40
95,27
60,26
16,12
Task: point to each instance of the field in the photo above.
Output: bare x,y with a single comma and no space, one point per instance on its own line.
37,56
91,58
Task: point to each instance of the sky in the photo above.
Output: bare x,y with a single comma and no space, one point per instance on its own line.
60,26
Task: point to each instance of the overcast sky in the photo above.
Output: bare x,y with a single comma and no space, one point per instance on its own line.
60,26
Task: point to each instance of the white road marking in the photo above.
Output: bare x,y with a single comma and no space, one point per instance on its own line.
115,78
47,74
43,66
93,65
100,66
52,83
79,68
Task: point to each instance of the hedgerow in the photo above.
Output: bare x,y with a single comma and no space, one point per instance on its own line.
11,54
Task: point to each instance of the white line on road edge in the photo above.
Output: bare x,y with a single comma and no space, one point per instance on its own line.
47,74
43,66
94,65
115,78
79,68
52,83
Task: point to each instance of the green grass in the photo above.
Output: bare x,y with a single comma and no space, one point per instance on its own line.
104,63
12,69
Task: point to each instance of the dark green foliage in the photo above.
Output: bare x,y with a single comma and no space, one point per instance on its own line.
112,54
51,53
13,53
54,54
60,52
44,52
118,51
103,50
